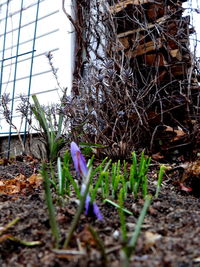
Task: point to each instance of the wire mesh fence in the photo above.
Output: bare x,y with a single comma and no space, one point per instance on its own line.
30,30
12,54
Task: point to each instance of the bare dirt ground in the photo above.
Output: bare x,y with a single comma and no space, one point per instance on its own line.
170,234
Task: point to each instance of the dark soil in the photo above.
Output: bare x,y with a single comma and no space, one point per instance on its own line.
173,219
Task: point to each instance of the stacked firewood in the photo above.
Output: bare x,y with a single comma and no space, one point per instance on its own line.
154,37
156,33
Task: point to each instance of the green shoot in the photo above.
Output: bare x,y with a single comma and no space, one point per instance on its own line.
133,172
53,179
61,178
72,181
100,181
9,225
78,213
125,169
105,184
53,137
113,173
118,168
121,214
132,243
66,160
116,185
107,165
160,177
90,161
99,242
117,206
124,186
97,169
50,206
97,185
138,174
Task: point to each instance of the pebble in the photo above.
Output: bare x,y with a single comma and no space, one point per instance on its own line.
116,235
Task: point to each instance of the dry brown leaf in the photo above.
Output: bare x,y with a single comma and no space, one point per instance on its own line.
20,178
157,156
15,185
86,237
179,133
35,180
191,170
10,189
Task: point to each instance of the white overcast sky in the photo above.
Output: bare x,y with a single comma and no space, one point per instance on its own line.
193,9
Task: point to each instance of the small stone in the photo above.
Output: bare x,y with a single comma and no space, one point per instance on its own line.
116,235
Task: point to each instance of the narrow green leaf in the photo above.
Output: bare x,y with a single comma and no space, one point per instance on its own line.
97,185
50,206
134,238
99,242
121,214
117,206
61,182
23,242
160,177
7,226
72,181
78,213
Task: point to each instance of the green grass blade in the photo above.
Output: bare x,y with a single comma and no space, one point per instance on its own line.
61,115
134,238
132,179
61,178
121,214
90,161
40,115
144,186
125,170
116,185
141,166
97,185
99,243
97,169
106,184
124,186
117,206
134,162
53,181
78,213
50,206
133,172
72,182
118,168
160,177
113,173
9,225
107,165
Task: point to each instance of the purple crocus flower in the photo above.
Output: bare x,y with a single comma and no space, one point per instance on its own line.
82,169
79,160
